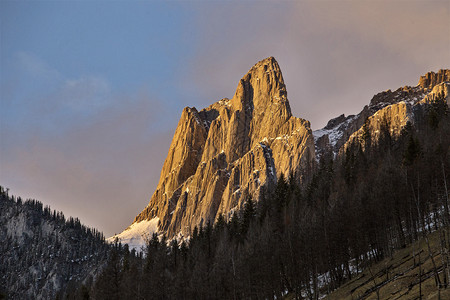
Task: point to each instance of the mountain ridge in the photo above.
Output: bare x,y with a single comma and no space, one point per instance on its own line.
234,148
395,106
43,254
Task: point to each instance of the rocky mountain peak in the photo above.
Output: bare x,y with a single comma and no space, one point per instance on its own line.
397,106
262,87
335,121
431,79
227,152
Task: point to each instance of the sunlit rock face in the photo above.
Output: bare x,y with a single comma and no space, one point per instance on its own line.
391,109
237,147
229,151
431,79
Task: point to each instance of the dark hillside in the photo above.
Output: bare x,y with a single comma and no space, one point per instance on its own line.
307,240
406,275
42,253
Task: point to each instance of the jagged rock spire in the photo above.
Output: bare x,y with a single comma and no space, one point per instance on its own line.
262,86
430,79
229,151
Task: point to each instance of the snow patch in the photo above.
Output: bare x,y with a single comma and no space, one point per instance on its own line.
137,234
335,133
225,102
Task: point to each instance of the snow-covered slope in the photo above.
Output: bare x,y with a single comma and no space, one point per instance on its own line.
137,235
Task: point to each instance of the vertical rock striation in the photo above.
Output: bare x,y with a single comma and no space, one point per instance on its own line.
229,151
236,147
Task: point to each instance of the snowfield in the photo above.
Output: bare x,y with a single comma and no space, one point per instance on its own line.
137,234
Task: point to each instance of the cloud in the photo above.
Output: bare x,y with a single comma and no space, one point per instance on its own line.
85,149
36,67
409,28
41,98
335,55
104,170
85,93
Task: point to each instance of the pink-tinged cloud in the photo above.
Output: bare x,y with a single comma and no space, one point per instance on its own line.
102,169
335,55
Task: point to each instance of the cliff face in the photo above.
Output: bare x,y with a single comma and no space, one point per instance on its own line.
393,109
228,151
234,148
432,79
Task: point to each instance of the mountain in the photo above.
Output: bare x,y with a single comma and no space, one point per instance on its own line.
42,254
237,148
371,221
366,188
394,108
223,154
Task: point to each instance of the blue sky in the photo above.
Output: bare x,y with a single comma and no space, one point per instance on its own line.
116,46
91,91
112,39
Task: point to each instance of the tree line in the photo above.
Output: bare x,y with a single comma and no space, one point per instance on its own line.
306,240
43,254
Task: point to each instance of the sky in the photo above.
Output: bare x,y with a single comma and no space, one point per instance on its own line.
91,91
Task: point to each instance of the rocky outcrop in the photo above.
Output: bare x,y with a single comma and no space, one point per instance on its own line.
429,80
392,108
229,151
440,90
393,117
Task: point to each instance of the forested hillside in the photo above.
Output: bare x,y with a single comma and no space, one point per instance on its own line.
305,241
43,254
